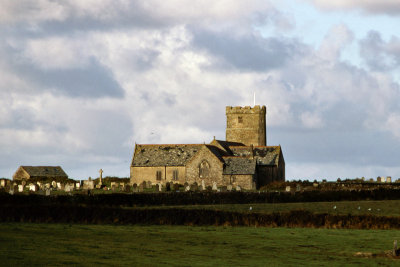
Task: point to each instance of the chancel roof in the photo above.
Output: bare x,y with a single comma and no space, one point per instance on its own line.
264,155
239,165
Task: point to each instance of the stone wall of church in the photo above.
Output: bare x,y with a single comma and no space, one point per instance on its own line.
245,181
215,169
140,174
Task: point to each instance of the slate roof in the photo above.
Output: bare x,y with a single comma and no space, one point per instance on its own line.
44,171
225,145
238,158
163,155
239,165
264,155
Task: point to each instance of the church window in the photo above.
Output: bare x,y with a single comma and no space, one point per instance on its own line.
175,175
204,169
158,175
240,119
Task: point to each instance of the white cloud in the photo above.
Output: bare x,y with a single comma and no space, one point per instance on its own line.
336,39
57,52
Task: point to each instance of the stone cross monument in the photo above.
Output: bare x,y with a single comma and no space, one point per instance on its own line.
101,176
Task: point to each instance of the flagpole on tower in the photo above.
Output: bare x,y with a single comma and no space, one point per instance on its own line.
254,98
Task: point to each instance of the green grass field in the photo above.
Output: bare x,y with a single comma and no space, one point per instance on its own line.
89,245
381,208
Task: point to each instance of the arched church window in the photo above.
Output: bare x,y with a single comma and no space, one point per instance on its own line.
204,169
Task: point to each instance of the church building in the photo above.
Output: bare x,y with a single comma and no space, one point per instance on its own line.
244,159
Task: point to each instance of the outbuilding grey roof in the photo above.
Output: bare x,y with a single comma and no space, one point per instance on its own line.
44,171
239,165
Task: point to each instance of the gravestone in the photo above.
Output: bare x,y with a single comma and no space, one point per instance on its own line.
3,183
47,186
48,192
159,187
194,187
203,185
287,188
127,188
67,188
396,251
20,188
176,187
229,187
90,184
54,184
33,187
42,187
238,188
144,185
141,187
78,185
298,187
134,188
214,186
187,188
58,185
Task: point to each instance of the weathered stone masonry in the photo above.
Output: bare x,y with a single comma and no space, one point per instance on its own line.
242,160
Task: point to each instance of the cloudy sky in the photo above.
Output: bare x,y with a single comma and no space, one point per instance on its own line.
82,81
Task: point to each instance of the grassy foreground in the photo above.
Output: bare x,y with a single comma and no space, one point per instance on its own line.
88,245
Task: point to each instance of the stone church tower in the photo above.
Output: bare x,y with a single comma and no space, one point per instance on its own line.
246,125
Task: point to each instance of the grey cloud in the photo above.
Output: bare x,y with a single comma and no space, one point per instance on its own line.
388,7
91,81
248,52
378,54
356,148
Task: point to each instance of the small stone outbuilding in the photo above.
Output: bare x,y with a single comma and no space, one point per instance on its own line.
40,172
